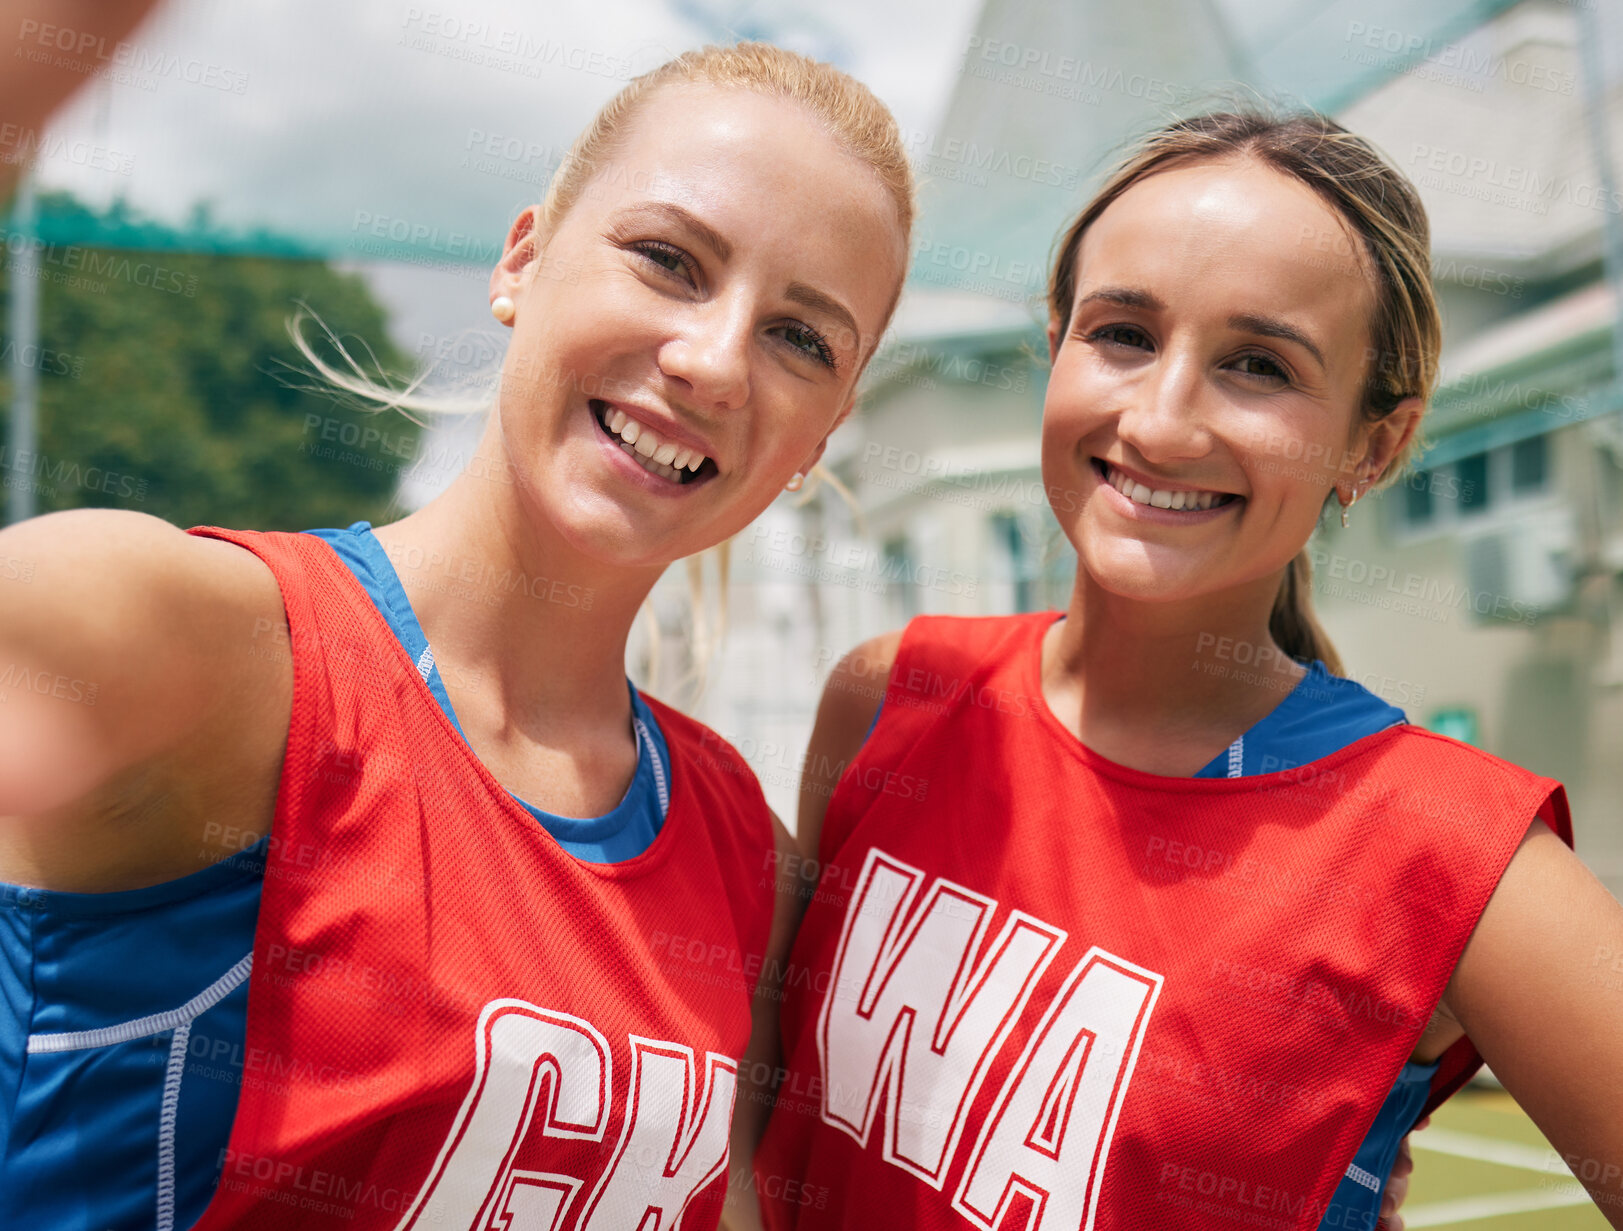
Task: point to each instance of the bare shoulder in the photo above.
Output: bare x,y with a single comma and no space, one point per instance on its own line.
137,655
851,698
97,567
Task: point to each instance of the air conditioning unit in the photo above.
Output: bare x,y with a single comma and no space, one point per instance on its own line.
1521,569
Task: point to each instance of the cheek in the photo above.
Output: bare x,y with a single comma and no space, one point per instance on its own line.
1078,389
1293,458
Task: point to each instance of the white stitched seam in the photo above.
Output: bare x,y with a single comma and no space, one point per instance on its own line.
1358,1175
166,1126
141,1027
1236,757
660,786
425,662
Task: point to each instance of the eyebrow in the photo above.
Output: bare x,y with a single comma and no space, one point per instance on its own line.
1269,327
670,212
817,301
1266,326
1127,297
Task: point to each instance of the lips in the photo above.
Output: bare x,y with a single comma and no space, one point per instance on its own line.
1178,499
677,464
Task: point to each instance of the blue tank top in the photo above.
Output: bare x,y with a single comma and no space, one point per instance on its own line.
1322,714
123,1015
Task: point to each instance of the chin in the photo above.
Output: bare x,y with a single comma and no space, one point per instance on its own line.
592,524
1130,569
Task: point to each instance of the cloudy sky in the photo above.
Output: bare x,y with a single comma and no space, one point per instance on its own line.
303,113
348,124
354,124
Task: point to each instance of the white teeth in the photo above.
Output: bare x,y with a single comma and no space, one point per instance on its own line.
1138,493
653,467
656,454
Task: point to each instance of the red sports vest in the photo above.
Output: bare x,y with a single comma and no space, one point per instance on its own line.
1037,989
452,1023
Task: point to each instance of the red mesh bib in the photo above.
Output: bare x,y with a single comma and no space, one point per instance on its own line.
452,1023
1037,989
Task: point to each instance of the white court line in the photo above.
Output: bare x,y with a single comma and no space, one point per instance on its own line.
1490,1150
1555,1194
1525,1201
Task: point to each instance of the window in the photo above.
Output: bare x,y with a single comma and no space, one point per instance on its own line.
901,592
1529,464
1417,502
1472,487
1007,529
1472,473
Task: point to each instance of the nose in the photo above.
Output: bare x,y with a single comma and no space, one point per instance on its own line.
711,356
1164,416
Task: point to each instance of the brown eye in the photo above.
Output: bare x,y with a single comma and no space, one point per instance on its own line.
1261,366
1121,335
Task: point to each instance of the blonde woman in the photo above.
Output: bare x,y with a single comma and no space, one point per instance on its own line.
348,900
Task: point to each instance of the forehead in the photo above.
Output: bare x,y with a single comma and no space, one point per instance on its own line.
1235,237
771,178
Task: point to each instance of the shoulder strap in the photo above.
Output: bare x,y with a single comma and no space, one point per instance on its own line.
943,664
708,773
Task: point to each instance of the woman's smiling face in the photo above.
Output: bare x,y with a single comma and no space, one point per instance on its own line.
711,296
1207,392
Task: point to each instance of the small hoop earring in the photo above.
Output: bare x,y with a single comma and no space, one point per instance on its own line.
1347,508
796,483
502,309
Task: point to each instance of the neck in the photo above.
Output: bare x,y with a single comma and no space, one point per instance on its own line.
511,610
1164,686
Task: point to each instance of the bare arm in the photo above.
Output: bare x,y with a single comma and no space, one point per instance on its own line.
851,698
1534,992
131,696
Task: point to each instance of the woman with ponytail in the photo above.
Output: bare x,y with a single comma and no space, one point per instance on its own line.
1112,931
339,898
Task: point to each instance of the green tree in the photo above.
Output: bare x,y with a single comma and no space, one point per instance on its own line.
168,384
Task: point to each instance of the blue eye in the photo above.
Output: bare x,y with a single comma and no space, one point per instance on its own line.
809,342
667,256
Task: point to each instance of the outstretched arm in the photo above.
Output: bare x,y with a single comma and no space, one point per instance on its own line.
130,677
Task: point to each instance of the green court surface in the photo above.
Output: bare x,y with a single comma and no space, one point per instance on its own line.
1484,1166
